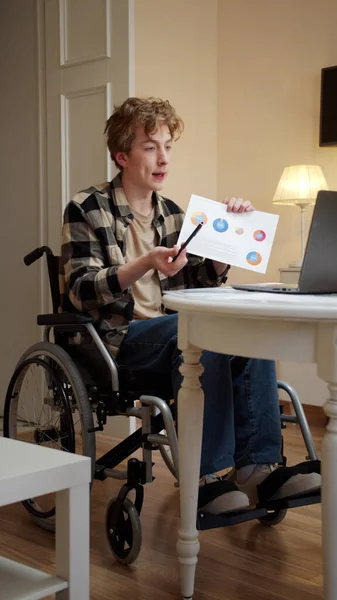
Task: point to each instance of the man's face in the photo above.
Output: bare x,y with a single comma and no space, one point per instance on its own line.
146,165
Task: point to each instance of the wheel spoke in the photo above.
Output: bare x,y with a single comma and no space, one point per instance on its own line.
119,538
128,532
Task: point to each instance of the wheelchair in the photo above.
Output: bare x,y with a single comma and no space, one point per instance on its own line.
63,391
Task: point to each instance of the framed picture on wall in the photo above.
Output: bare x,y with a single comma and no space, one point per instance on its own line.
328,108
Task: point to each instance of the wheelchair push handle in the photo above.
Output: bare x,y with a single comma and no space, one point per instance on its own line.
34,255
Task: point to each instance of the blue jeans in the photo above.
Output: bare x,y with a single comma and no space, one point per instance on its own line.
241,415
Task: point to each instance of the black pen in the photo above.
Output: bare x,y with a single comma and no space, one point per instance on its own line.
183,246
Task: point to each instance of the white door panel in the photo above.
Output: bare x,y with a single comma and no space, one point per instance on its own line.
88,69
87,72
82,115
84,30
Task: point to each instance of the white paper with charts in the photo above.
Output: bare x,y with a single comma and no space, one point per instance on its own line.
240,239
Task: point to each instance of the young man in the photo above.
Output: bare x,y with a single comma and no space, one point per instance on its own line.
119,240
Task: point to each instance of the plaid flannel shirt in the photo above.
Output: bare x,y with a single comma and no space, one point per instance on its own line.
93,249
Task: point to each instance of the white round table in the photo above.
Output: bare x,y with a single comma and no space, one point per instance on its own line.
258,325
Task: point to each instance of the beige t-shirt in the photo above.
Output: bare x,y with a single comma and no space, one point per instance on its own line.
141,237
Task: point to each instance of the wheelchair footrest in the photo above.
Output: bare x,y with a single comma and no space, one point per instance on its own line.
209,521
300,500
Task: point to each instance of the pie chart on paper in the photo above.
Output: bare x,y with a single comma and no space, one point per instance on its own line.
199,217
220,225
253,258
259,235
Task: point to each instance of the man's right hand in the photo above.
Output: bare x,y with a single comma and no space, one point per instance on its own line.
161,259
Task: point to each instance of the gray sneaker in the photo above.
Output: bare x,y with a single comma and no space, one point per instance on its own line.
299,483
217,495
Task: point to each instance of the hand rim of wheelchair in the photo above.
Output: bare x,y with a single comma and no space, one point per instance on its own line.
131,527
62,360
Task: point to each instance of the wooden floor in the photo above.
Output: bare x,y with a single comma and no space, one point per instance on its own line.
247,561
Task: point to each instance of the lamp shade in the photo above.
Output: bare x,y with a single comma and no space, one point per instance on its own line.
300,184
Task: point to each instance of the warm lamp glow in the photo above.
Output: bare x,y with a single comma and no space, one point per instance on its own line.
299,185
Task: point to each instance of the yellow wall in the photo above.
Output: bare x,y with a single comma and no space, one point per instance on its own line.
270,57
176,59
245,77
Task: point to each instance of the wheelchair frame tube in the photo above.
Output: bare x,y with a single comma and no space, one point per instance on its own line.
300,418
158,438
106,355
147,451
169,426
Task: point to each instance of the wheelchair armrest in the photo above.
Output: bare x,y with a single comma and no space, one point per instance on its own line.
64,319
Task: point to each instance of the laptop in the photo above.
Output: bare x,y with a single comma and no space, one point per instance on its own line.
319,269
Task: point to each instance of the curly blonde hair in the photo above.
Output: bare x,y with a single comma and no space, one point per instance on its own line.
134,112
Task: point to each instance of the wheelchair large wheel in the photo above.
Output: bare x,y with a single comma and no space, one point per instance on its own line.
47,404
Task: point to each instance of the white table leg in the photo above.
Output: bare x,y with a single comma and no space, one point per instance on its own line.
327,369
72,541
329,497
190,420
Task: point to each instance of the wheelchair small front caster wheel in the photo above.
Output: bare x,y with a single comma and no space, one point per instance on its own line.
273,517
125,538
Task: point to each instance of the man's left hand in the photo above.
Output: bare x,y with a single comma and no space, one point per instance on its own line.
238,205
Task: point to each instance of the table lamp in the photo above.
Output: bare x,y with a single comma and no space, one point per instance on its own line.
299,184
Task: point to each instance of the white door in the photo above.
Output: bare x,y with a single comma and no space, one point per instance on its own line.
88,69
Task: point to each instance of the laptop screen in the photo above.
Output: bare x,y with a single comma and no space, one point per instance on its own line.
319,269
